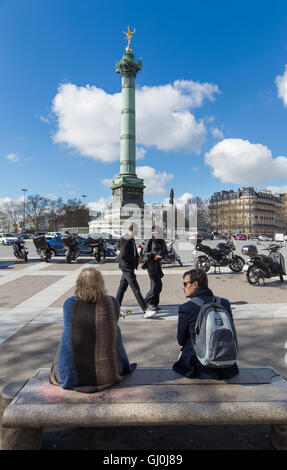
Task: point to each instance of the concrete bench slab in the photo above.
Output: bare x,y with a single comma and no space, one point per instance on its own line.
155,397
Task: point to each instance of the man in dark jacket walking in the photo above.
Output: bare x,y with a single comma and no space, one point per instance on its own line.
195,284
128,262
155,249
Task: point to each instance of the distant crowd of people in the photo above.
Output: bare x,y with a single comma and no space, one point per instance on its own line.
91,355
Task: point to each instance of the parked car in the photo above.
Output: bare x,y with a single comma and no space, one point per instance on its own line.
57,247
200,232
24,236
241,236
50,235
8,238
262,238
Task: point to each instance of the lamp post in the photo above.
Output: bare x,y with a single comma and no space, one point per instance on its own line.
24,191
84,197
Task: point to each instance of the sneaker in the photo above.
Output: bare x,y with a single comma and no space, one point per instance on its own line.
152,307
123,313
149,313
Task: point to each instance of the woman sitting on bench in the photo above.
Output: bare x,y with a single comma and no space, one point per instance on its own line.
91,355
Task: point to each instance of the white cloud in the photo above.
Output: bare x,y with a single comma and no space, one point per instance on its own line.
107,182
180,201
100,205
281,82
89,118
217,133
241,162
12,157
4,200
154,180
278,189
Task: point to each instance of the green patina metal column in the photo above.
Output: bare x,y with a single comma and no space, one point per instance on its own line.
127,187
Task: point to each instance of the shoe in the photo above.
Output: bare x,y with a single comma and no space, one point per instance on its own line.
152,307
123,313
149,313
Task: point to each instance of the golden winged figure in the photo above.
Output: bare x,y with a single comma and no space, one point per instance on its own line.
128,37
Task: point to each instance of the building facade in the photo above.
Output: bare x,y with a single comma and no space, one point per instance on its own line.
248,211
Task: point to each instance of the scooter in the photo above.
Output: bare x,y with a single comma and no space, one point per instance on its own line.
218,257
71,247
263,267
43,248
20,250
97,246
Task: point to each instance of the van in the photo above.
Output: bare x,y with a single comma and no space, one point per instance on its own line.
279,237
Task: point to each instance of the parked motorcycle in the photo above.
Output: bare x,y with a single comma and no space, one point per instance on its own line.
98,247
219,257
20,251
172,255
71,247
262,266
43,248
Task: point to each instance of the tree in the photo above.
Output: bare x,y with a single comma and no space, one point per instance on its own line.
56,211
75,214
10,214
37,210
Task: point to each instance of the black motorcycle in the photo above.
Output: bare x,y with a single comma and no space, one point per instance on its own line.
97,246
172,255
20,250
43,248
71,247
218,257
262,266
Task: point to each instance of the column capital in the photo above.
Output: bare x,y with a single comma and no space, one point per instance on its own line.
127,66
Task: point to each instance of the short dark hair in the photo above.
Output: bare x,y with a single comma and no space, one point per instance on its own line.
199,276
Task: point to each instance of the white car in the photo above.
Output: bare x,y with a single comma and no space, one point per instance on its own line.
8,238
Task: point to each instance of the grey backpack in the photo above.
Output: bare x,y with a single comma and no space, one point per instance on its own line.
215,343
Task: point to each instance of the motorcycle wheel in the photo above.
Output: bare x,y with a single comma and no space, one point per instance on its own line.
202,263
237,264
253,275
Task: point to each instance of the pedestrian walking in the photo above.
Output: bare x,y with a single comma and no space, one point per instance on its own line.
154,250
128,262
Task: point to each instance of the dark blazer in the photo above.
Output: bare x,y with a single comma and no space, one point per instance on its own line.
187,364
128,259
154,246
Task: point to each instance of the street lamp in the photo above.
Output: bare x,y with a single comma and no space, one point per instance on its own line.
24,191
84,197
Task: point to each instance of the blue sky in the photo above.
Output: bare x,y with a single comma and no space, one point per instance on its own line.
211,96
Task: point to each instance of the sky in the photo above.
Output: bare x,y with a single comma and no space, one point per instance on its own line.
211,98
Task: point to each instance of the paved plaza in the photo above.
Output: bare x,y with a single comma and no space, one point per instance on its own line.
32,297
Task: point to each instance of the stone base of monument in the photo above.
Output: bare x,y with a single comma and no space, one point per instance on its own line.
147,397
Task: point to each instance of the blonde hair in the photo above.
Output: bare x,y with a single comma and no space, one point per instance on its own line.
90,285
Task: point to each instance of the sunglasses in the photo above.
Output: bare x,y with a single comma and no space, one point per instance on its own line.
185,283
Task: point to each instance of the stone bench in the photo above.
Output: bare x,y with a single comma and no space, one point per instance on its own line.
148,397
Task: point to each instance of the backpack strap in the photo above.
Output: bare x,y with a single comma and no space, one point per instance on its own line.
197,301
